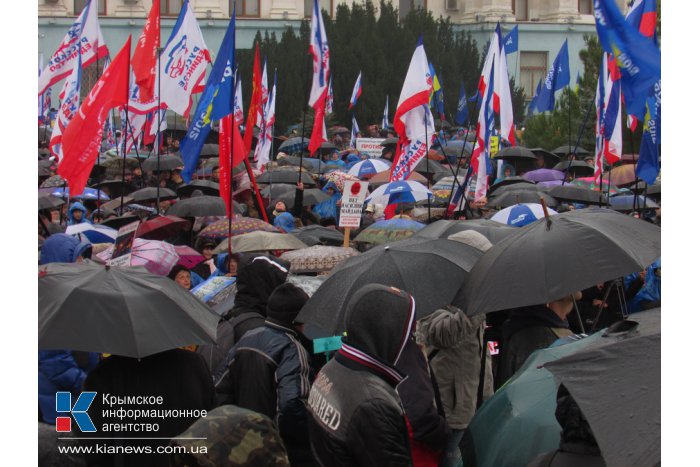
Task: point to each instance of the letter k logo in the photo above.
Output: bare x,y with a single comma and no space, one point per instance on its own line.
79,411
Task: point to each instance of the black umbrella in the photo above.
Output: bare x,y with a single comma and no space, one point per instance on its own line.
577,194
511,197
559,255
513,183
311,196
207,187
565,150
167,162
209,150
46,167
307,163
151,194
121,311
515,152
390,142
318,235
115,187
117,222
494,231
49,201
432,270
627,202
618,389
550,159
198,206
294,145
277,190
285,176
577,169
428,166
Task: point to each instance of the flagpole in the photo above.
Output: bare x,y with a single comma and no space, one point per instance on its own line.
303,118
461,154
159,50
126,112
230,182
427,151
578,140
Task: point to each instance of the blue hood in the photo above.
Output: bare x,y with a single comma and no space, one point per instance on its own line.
62,248
285,221
77,206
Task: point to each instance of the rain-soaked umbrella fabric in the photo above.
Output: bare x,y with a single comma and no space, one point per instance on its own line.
368,168
240,225
509,182
550,159
493,231
577,194
577,168
317,258
389,231
207,187
53,181
219,292
117,222
285,176
555,257
512,197
167,162
627,203
49,201
566,150
622,175
311,196
260,241
308,163
152,193
93,233
162,227
618,389
515,152
309,284
294,145
520,215
433,270
87,194
276,190
544,175
129,312
318,235
200,206
158,257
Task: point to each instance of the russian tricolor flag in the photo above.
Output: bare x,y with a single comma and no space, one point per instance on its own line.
356,91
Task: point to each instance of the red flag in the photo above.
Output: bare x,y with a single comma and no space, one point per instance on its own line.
318,133
83,135
145,59
226,138
254,102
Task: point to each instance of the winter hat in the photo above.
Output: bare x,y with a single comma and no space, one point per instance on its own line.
284,304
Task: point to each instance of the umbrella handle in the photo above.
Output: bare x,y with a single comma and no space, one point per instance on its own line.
546,212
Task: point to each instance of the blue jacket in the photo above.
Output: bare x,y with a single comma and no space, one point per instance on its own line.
328,207
284,221
62,248
77,206
650,291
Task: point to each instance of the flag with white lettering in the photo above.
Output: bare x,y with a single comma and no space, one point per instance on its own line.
70,101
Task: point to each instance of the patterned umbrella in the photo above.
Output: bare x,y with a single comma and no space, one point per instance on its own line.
339,178
162,227
189,257
389,231
443,188
317,258
87,194
241,225
593,183
260,241
53,181
158,257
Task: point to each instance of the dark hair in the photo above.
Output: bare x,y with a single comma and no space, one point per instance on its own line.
176,270
327,222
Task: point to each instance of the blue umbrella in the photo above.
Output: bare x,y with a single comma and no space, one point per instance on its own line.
520,215
401,191
366,168
87,194
93,233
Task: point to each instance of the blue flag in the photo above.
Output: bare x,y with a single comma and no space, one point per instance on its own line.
557,78
638,58
533,103
462,108
510,42
648,164
216,102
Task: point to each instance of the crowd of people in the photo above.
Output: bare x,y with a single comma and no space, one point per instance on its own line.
400,390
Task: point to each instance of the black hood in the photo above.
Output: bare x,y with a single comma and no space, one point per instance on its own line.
379,321
535,315
258,276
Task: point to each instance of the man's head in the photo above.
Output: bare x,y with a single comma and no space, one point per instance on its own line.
281,206
285,303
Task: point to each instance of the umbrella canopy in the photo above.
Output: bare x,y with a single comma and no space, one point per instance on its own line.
443,188
519,215
87,194
167,162
577,168
150,193
565,150
260,241
367,168
508,181
555,257
240,225
189,257
209,150
285,176
432,270
403,191
550,159
53,181
544,186
158,257
622,174
339,178
515,153
577,194
308,284
115,187
162,227
311,196
390,142
427,166
117,222
457,147
512,197
317,258
207,187
383,177
544,175
93,233
294,145
276,190
308,163
318,235
494,231
618,389
198,206
389,231
628,203
594,184
129,312
49,201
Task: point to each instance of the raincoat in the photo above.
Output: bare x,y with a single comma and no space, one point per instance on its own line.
650,291
77,206
284,221
328,207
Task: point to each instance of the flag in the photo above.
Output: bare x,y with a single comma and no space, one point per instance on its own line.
183,63
329,99
642,17
144,62
70,101
262,150
532,107
557,78
318,132
436,98
255,101
238,113
648,164
83,38
264,96
356,91
82,138
638,58
385,118
354,133
321,56
613,114
413,120
45,107
220,78
502,103
510,42
462,114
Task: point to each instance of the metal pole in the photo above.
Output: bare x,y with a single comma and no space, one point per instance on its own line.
303,118
578,140
159,51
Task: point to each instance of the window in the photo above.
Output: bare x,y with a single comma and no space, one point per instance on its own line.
78,6
585,7
245,8
533,67
170,7
89,76
407,5
451,5
324,4
520,8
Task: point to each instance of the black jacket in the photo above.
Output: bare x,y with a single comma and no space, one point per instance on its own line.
356,414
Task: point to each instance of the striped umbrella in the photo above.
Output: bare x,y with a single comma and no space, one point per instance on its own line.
240,225
368,167
403,191
520,215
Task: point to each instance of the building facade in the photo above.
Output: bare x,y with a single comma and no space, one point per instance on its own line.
543,24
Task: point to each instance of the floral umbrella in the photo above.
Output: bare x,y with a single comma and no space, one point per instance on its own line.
240,225
339,178
389,231
318,258
158,257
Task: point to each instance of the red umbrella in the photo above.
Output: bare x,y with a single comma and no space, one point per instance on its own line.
162,227
189,257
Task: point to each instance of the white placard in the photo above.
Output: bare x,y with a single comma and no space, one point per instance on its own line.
354,194
372,146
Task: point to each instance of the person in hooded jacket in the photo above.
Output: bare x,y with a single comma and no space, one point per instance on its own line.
62,370
268,371
329,208
284,221
77,214
356,413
